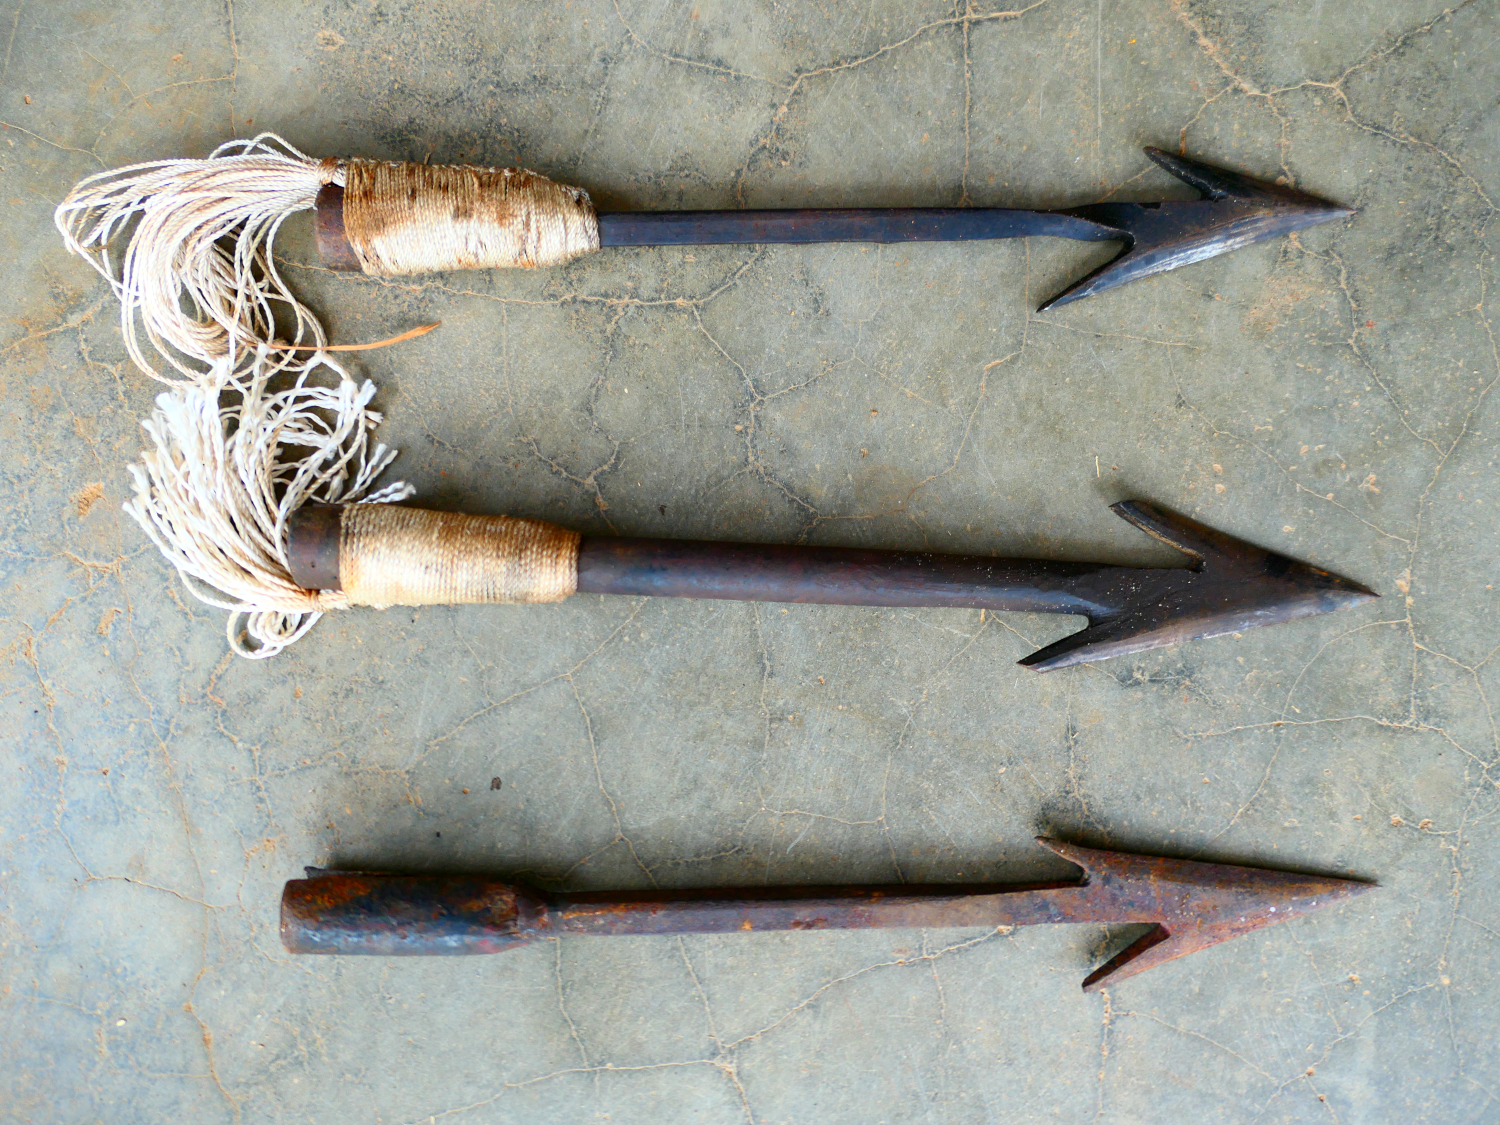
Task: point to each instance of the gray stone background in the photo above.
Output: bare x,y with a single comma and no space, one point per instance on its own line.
1327,395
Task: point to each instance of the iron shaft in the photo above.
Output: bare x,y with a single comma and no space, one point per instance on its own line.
861,224
394,915
754,572
736,910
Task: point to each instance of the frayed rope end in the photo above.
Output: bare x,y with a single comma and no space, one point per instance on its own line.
197,266
220,483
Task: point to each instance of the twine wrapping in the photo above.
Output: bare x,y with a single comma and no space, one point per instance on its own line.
418,218
197,270
234,459
408,556
216,492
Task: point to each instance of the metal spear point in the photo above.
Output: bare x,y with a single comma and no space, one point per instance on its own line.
1188,905
1233,211
1231,585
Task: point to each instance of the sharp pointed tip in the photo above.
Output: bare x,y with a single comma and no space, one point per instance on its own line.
1352,595
1321,211
1213,182
1317,894
1165,159
1353,888
1307,894
1041,661
1066,297
1102,977
1110,973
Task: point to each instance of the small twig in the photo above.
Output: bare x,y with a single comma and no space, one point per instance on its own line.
401,339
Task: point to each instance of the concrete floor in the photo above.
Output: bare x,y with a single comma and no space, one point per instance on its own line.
1328,396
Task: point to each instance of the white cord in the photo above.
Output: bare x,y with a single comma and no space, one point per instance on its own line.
197,267
216,492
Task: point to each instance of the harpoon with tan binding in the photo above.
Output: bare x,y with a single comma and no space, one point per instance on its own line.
382,554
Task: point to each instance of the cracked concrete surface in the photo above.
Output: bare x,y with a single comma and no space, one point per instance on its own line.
1328,395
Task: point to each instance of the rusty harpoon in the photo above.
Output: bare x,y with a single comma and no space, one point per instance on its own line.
1189,906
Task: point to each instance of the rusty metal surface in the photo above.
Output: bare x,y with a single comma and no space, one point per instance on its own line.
1189,906
313,546
334,248
393,916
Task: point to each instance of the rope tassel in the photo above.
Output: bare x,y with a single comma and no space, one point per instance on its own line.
196,267
197,270
216,492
